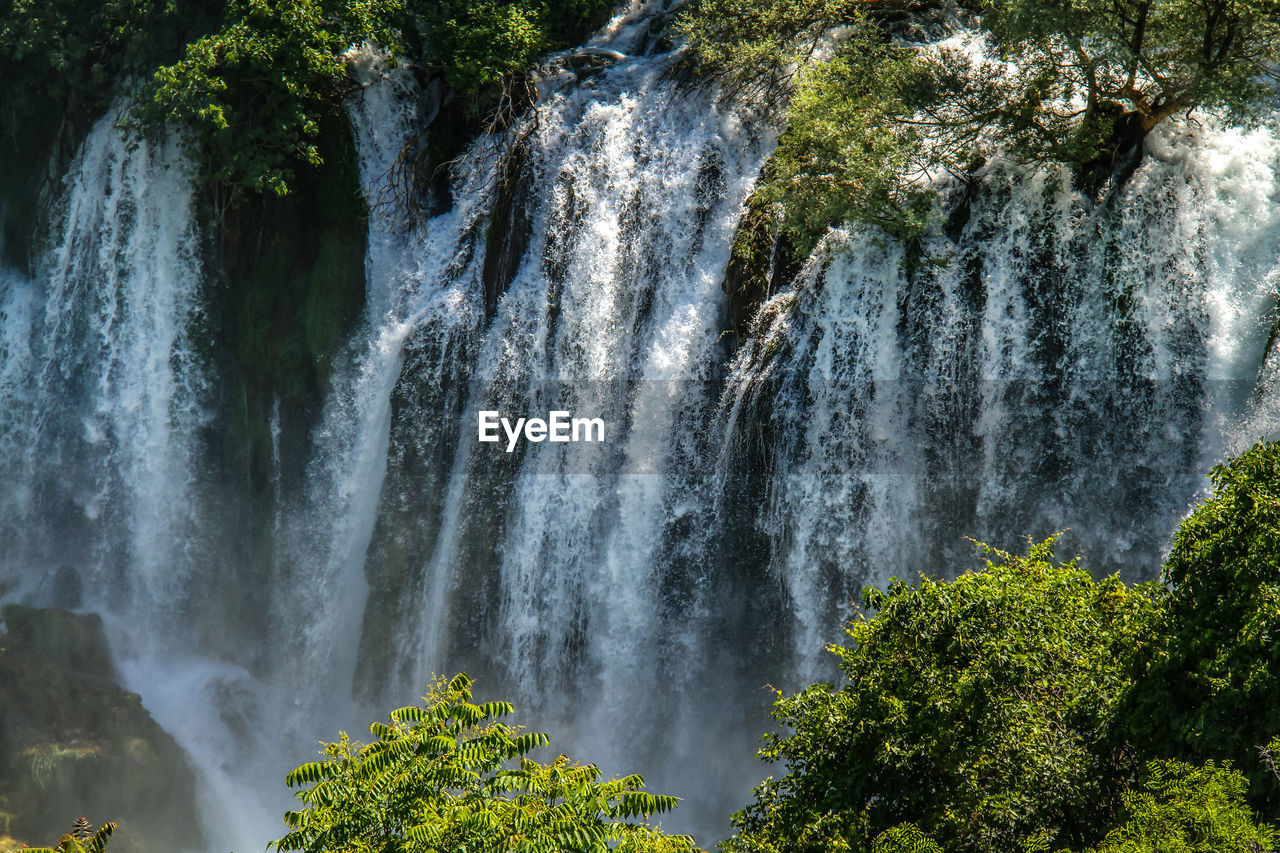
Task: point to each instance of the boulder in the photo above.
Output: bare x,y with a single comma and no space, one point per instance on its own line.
74,743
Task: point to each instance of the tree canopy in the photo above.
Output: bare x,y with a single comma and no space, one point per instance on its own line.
450,776
974,709
885,96
255,93
1030,707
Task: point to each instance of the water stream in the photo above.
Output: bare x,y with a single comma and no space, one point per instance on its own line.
1065,364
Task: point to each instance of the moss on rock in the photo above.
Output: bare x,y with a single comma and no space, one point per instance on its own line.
74,742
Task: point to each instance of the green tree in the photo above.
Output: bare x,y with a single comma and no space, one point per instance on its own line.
1214,690
845,154
1180,808
252,96
450,776
255,96
975,710
1079,82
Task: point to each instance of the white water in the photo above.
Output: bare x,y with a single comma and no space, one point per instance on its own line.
101,381
1071,367
539,571
104,394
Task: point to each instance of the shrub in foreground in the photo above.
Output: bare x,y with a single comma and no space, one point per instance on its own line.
450,776
975,710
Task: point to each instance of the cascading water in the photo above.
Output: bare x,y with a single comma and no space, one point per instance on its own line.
103,384
539,570
104,388
1073,363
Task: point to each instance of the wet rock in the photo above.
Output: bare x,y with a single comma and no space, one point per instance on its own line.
62,588
74,743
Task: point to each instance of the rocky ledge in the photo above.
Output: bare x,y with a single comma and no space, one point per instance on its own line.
74,743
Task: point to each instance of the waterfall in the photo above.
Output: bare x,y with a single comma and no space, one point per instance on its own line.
579,270
102,383
105,393
1071,364
1058,361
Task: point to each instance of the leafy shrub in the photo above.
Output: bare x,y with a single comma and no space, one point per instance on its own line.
72,52
440,777
975,709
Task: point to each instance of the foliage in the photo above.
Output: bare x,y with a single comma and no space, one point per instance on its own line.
251,96
974,709
65,49
252,83
255,94
905,838
450,776
1031,708
1215,690
1080,82
81,839
1133,60
478,45
843,156
1181,808
760,43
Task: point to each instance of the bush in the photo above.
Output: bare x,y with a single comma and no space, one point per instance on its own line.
1214,691
440,777
976,710
1031,708
254,84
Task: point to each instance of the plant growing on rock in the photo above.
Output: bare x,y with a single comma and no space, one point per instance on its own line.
254,96
1037,80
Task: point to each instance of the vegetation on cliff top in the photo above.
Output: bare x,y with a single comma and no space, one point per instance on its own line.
254,93
253,83
884,96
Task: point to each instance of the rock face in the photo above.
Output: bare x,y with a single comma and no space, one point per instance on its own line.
74,743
